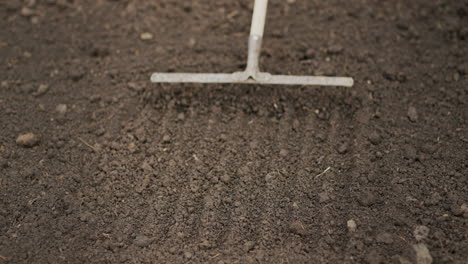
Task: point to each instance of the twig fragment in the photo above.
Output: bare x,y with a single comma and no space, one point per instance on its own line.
87,144
327,169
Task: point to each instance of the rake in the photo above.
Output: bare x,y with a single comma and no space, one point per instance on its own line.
252,73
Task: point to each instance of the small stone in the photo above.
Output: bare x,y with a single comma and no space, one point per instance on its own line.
146,167
166,139
192,42
423,256
134,86
132,147
412,114
95,98
249,246
385,238
27,12
181,117
28,140
342,148
41,90
146,36
142,241
284,153
188,254
352,226
421,232
297,228
464,208
61,109
296,124
375,138
34,20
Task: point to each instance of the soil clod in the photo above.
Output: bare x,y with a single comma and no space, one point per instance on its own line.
142,241
423,256
421,232
297,227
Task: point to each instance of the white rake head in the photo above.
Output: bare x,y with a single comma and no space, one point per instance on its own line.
252,74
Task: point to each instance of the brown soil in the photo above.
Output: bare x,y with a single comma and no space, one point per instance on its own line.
118,170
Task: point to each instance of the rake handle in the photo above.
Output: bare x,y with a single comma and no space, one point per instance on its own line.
258,18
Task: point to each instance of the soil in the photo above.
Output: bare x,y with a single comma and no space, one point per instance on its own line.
98,165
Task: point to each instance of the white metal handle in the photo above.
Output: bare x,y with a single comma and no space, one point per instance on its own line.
258,18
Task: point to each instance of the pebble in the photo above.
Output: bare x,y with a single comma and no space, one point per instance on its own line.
181,117
188,254
423,256
142,241
284,153
166,139
375,138
249,246
132,147
412,114
352,226
135,86
42,89
146,166
146,36
27,12
464,208
421,232
61,109
296,124
28,140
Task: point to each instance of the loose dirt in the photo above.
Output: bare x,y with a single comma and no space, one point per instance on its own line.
124,171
